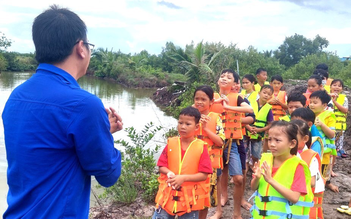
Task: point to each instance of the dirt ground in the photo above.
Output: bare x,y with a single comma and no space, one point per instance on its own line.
332,200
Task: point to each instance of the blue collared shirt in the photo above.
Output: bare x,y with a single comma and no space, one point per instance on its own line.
57,136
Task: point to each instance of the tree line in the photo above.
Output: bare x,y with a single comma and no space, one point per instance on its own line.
295,58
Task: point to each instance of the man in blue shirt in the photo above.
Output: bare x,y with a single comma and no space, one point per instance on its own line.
57,135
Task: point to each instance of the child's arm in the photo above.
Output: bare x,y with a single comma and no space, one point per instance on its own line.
258,130
290,195
216,139
327,131
178,180
244,107
256,176
166,171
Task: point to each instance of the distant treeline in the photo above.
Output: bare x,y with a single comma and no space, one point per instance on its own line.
296,58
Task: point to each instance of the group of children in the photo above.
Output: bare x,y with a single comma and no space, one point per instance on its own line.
289,142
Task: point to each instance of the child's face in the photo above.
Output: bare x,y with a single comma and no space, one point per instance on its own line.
293,105
236,87
276,85
265,94
187,126
316,105
247,85
262,76
226,81
301,140
312,85
278,142
336,87
202,102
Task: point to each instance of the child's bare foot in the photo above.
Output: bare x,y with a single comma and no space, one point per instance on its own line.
333,174
224,201
217,215
246,205
333,188
237,217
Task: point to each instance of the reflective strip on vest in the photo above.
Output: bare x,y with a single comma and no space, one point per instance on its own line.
340,116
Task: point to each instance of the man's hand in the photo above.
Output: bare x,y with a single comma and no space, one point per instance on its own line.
115,120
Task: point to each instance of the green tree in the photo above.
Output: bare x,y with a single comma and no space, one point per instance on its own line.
295,47
4,42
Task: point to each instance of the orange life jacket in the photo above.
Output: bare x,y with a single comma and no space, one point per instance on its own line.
231,119
316,211
307,95
277,109
215,152
192,196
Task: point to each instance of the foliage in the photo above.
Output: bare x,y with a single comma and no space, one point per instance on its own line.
296,47
4,42
138,175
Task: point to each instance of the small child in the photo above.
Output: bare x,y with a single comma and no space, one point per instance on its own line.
248,83
280,178
324,75
295,100
211,131
278,100
314,83
341,108
261,75
184,165
314,163
264,116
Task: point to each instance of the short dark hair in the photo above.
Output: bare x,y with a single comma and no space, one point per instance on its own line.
235,75
322,95
193,112
206,89
55,33
251,78
266,86
290,131
321,72
277,78
305,113
337,80
317,78
297,96
259,70
322,66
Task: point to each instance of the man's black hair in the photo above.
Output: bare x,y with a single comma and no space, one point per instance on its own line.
277,78
322,66
193,112
297,96
259,70
55,32
322,95
304,113
322,73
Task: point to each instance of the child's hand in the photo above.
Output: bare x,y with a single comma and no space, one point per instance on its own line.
267,172
253,130
257,170
334,96
176,181
318,122
170,175
225,99
204,120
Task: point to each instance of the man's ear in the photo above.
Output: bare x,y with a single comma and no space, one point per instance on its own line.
80,49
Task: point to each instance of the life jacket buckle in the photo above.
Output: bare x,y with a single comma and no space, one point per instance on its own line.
266,199
262,212
289,216
290,203
200,137
176,198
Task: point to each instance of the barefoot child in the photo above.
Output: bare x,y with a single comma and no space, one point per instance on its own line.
231,106
278,100
281,179
314,164
184,165
211,131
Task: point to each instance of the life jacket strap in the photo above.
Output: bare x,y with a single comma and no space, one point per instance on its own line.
277,213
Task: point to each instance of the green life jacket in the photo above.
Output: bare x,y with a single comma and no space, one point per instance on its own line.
340,116
268,203
329,143
261,118
285,118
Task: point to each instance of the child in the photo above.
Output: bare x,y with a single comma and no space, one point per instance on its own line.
184,165
261,75
324,75
211,131
281,179
341,108
295,100
314,163
231,106
325,67
248,83
278,100
314,83
264,117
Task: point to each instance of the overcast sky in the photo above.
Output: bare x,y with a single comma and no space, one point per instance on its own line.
135,25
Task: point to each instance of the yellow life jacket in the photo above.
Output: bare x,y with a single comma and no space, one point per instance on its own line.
285,118
261,118
317,210
340,116
329,144
277,109
268,203
231,119
215,152
327,88
258,86
192,196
